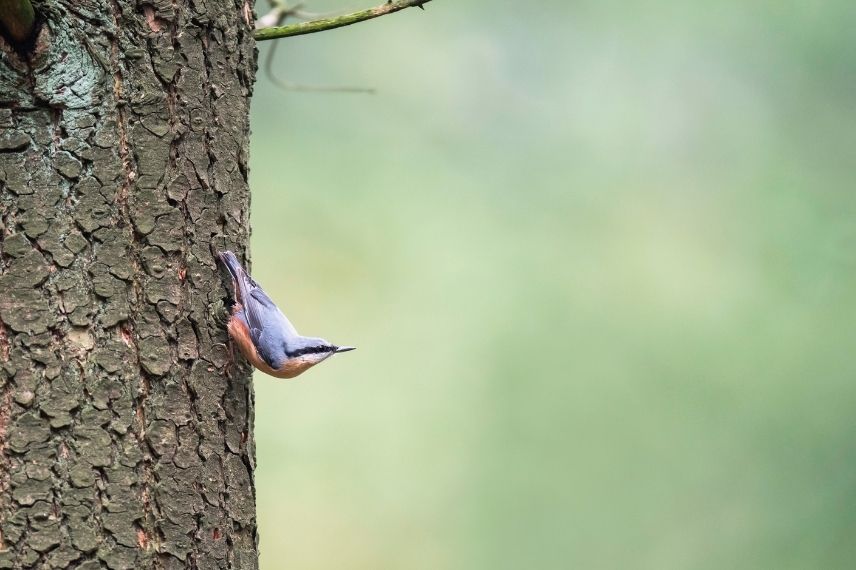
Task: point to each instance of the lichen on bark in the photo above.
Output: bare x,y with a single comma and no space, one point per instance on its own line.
125,430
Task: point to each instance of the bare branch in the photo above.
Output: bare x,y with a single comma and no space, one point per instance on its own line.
336,22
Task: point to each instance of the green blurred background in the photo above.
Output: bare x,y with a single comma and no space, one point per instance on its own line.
599,259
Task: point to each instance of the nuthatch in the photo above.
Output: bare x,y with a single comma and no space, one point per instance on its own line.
264,335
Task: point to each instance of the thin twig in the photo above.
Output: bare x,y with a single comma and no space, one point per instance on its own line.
337,22
279,11
289,86
18,19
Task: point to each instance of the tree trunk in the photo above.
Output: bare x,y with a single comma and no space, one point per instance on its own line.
125,432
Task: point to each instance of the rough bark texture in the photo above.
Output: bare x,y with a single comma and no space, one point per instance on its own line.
124,443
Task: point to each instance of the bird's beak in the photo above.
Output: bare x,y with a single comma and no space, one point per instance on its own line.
345,348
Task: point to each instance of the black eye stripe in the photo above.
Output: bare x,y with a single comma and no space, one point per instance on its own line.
308,350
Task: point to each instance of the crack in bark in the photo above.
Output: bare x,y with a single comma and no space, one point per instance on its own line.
211,96
150,531
5,411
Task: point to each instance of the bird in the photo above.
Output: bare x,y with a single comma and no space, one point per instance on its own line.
264,335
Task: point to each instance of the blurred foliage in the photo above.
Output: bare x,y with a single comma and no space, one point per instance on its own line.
599,260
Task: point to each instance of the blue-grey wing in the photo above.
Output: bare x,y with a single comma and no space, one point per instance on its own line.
270,349
266,307
269,328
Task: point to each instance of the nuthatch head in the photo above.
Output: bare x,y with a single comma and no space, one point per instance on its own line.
264,335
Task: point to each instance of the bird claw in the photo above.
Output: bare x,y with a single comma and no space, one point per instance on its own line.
230,363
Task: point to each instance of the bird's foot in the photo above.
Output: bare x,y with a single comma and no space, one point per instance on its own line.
229,368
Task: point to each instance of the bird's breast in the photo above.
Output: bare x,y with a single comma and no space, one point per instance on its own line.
241,335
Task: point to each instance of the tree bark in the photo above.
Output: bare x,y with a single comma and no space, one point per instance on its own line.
125,429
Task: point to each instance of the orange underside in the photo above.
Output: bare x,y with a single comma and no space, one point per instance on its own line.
241,335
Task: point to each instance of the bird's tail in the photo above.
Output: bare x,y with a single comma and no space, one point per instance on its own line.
240,279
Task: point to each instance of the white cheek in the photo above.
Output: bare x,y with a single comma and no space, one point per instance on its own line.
316,358
307,360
